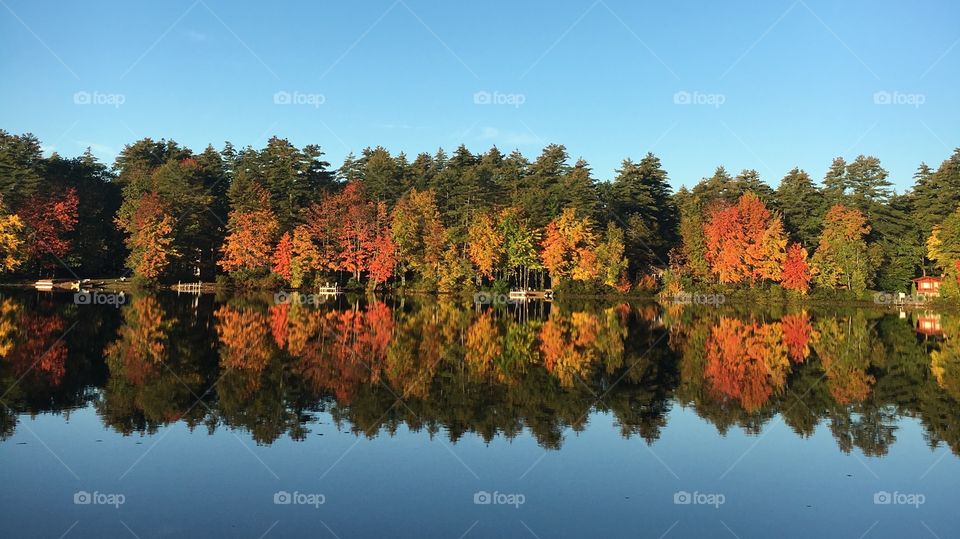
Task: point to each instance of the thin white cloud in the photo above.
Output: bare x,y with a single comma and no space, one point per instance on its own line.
195,35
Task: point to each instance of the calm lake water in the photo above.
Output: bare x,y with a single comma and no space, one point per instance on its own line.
207,416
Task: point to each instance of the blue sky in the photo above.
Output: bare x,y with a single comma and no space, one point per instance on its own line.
765,85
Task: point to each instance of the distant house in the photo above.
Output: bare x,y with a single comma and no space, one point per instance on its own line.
927,285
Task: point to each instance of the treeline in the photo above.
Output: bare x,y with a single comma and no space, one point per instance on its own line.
283,216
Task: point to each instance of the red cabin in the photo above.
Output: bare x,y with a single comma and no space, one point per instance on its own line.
928,285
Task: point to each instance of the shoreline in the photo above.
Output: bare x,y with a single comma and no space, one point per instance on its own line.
735,299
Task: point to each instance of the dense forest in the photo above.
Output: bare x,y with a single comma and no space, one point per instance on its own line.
282,216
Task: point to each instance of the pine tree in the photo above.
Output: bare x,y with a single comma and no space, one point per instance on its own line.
802,206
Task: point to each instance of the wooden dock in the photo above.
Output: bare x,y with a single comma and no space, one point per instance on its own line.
329,289
524,294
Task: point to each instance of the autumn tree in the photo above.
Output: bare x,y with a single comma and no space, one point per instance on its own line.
305,259
745,242
11,239
248,246
418,235
796,270
485,245
149,237
569,245
349,231
383,252
842,258
48,219
282,254
610,261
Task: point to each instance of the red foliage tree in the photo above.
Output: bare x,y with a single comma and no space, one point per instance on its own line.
796,270
49,218
282,256
383,252
351,233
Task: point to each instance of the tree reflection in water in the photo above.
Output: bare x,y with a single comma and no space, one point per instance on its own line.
451,368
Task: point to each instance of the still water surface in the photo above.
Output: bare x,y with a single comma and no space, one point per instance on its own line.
203,416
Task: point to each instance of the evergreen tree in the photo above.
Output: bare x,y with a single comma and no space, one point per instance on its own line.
936,193
640,200
540,193
21,168
802,205
835,184
580,191
382,176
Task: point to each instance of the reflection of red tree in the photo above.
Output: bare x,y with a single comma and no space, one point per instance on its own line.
278,323
746,361
797,330
41,350
344,350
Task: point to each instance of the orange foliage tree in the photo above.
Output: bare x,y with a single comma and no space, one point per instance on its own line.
745,242
796,270
248,245
569,248
383,252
